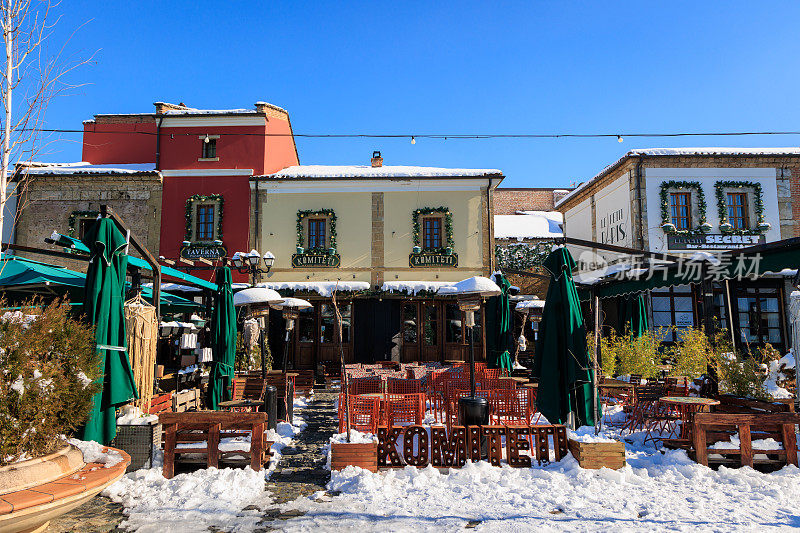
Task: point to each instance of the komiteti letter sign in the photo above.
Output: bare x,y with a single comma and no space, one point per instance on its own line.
320,260
426,259
416,446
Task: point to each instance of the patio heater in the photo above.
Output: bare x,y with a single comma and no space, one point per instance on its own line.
472,411
290,308
258,300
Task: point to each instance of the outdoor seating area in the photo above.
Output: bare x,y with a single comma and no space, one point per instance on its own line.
415,394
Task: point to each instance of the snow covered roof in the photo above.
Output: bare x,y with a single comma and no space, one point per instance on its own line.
391,171
790,150
323,288
529,225
697,151
529,304
55,169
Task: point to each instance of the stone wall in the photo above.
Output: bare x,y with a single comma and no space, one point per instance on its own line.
48,201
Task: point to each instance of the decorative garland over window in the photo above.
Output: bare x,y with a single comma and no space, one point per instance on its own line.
722,207
204,198
75,215
448,225
522,256
666,219
305,213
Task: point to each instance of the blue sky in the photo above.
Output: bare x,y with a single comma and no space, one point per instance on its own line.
449,67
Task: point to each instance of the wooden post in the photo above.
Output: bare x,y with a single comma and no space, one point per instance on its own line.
745,445
343,379
595,365
700,445
169,450
212,448
256,446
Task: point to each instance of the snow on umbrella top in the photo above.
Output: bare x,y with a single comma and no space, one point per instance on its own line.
291,303
257,295
476,285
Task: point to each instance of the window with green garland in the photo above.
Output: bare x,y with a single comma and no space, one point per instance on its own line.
753,222
432,229
204,218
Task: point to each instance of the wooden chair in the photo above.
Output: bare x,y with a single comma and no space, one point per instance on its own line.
198,433
249,388
715,427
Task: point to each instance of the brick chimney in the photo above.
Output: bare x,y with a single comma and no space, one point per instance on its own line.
377,160
161,107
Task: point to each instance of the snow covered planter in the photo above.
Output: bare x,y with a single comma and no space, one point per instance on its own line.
48,370
364,455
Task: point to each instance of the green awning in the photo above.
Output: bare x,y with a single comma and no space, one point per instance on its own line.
72,243
22,278
752,262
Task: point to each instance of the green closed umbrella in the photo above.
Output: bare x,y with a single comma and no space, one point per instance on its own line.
562,362
223,341
499,338
633,315
104,300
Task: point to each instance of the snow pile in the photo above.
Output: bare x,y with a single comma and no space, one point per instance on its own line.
586,434
386,171
776,376
529,225
205,499
414,287
323,288
135,417
654,492
94,452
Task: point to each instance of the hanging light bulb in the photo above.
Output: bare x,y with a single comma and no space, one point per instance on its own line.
619,138
207,139
413,140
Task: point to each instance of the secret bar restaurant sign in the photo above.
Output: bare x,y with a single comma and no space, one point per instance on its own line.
443,449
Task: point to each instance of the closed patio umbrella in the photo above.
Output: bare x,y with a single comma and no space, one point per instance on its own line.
499,340
104,300
223,341
633,315
562,362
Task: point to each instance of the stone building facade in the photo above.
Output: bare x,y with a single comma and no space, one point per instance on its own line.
685,201
63,198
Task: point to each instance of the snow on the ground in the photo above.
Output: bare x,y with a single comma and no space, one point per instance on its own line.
654,492
209,498
135,417
661,490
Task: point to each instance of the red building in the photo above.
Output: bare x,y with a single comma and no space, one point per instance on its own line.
206,158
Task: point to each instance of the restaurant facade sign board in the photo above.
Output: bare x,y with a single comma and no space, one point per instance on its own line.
710,241
430,259
205,251
318,260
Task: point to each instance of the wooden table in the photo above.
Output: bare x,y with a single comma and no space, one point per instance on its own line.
233,404
687,407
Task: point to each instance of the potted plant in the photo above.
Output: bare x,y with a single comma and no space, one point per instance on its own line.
416,250
448,250
331,251
706,227
763,226
725,226
50,375
300,250
668,227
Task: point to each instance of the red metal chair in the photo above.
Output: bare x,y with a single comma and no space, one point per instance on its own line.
363,414
403,386
365,385
405,409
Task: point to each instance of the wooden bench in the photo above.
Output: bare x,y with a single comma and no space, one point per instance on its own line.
303,382
209,427
716,427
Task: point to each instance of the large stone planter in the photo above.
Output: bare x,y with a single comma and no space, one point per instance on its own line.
34,492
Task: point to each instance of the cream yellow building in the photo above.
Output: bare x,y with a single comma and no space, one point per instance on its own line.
386,238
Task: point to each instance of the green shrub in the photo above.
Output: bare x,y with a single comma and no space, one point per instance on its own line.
634,355
608,357
48,373
738,375
693,353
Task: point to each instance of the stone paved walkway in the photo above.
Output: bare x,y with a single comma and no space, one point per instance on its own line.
301,472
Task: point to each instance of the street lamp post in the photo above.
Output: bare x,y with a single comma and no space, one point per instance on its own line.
248,263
